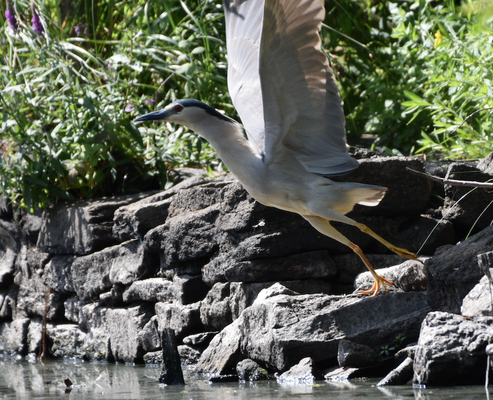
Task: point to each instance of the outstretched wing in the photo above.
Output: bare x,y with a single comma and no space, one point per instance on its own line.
243,35
282,85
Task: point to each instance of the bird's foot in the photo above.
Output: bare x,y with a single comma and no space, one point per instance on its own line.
404,253
379,280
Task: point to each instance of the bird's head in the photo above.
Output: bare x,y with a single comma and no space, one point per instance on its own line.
190,113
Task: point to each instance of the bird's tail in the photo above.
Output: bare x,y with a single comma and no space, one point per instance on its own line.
366,195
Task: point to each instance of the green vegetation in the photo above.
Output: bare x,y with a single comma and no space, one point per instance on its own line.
74,74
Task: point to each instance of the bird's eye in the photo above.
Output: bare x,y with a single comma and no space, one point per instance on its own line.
178,107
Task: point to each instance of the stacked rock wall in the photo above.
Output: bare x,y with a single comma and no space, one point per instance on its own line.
106,276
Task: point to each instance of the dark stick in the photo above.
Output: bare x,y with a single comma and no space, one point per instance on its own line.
172,373
453,182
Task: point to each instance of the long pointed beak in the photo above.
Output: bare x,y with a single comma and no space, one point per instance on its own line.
154,116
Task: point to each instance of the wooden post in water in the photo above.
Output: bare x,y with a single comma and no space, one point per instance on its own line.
172,373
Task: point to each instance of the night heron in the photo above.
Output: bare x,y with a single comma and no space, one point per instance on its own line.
284,91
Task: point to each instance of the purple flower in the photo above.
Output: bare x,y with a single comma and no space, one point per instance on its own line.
10,15
80,29
129,107
37,25
150,101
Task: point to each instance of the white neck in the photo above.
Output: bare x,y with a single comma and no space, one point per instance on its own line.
241,158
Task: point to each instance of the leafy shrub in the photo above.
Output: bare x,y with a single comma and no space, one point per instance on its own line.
68,100
73,75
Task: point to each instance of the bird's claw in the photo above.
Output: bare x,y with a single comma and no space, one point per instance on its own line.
379,280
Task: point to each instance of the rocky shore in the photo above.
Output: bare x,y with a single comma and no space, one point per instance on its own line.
251,291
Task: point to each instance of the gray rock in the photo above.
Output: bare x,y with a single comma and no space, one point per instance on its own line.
183,319
249,370
188,355
451,349
81,228
184,238
153,358
303,372
466,207
8,253
121,264
136,219
152,290
215,311
34,298
407,193
454,271
408,276
57,274
400,375
479,301
67,341
280,328
128,332
13,337
229,267
486,164
199,339
355,355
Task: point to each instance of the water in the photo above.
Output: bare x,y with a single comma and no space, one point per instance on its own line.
24,380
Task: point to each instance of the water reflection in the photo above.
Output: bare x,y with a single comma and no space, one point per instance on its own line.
21,380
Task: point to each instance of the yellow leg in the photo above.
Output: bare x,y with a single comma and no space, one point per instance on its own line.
398,250
325,227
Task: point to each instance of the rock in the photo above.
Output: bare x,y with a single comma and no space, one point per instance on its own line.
96,273
34,298
153,358
281,327
136,219
199,339
300,266
407,193
67,341
479,301
454,271
223,353
82,227
486,164
183,319
128,333
8,253
183,289
355,355
303,372
57,274
249,370
451,349
189,355
215,311
152,290
13,337
184,239
408,276
400,375
467,208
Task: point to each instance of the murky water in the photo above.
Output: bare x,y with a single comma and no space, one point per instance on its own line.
24,380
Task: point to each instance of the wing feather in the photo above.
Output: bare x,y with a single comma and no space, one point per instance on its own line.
282,85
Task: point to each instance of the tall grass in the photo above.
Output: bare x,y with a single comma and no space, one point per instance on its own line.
71,85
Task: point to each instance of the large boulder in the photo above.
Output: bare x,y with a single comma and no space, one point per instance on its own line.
98,272
82,227
282,327
451,349
454,271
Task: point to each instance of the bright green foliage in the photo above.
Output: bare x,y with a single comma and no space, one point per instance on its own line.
68,96
67,101
401,83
